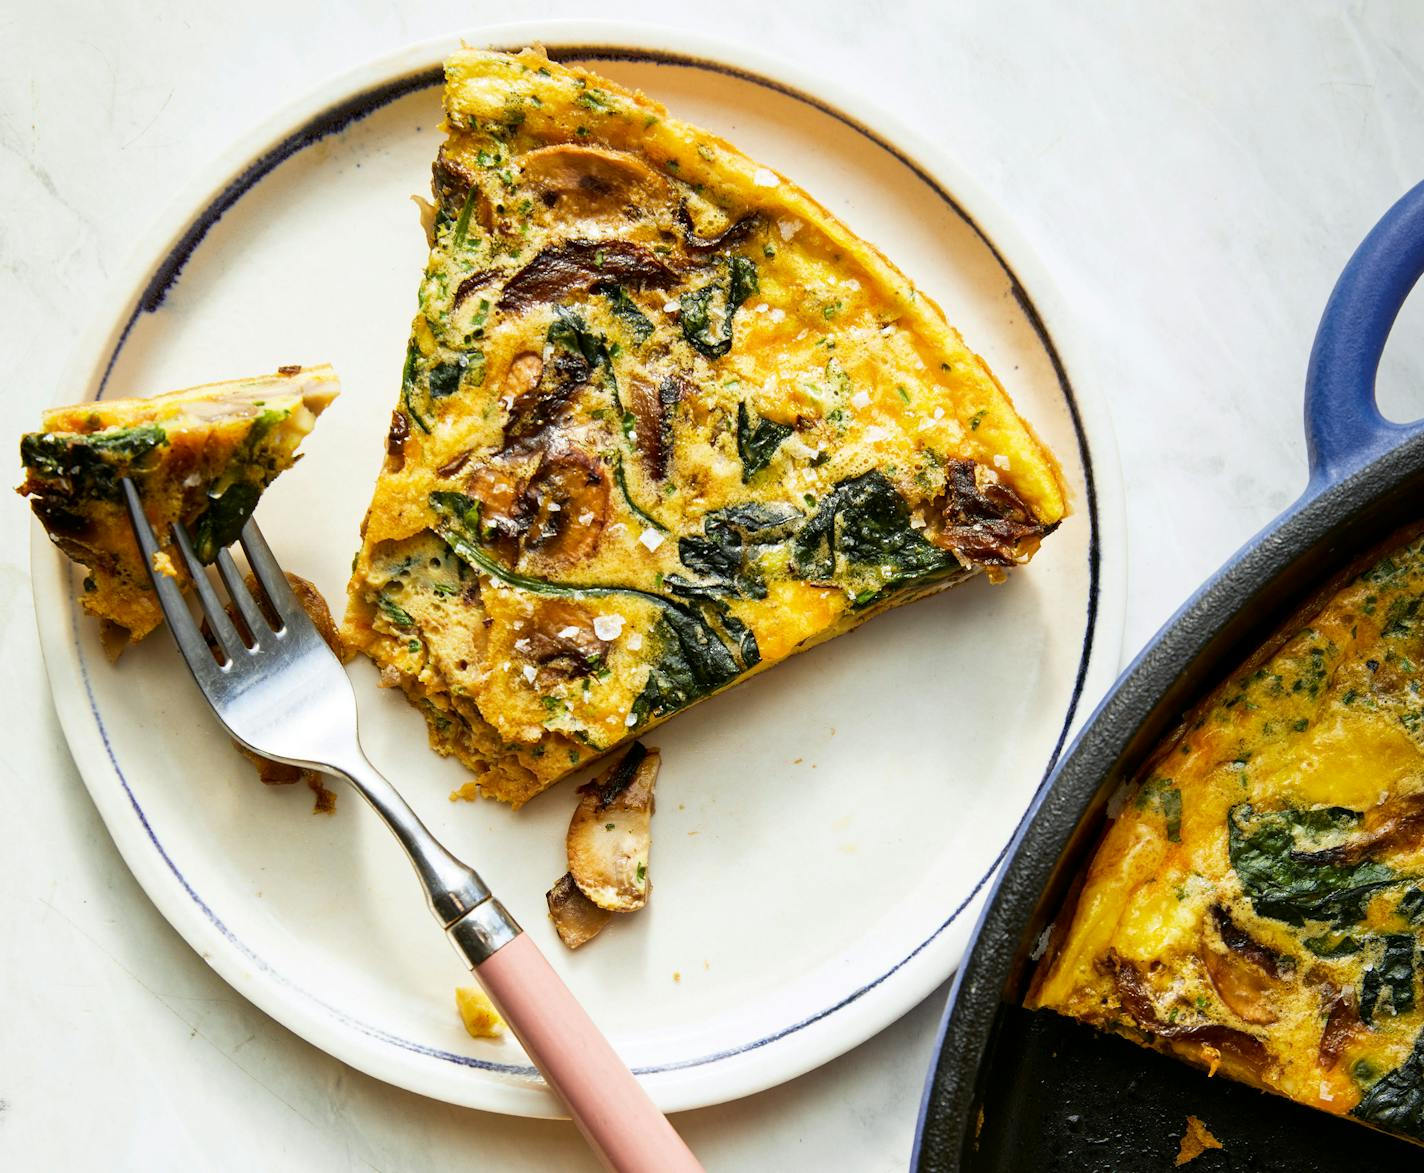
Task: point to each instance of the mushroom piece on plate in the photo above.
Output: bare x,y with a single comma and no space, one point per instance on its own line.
577,919
611,832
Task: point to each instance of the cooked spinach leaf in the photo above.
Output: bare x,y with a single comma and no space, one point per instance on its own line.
692,662
1396,1101
725,554
1161,794
626,310
1326,946
757,444
860,538
1266,850
447,377
621,478
220,523
1411,905
394,611
572,334
693,659
409,374
92,465
1393,976
697,307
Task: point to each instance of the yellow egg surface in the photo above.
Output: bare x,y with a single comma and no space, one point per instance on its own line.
664,422
201,456
1257,905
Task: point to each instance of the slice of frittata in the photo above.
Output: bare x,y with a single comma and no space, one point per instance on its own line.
1257,904
201,457
664,422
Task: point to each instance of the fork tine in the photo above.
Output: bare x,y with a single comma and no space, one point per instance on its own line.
270,574
186,635
241,597
218,622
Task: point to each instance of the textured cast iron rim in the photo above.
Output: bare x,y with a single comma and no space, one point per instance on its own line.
947,1123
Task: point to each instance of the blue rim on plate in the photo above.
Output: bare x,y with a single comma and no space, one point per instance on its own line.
338,117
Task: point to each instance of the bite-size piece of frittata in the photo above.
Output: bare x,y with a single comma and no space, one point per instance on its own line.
664,421
201,457
1256,905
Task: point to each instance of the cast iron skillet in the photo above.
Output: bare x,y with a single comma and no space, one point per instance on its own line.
1016,1090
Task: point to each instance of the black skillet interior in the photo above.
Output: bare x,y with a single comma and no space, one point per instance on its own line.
1015,1090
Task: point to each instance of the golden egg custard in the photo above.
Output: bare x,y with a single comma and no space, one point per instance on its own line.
664,422
201,457
1257,904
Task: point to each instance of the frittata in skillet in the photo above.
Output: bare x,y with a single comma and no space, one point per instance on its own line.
664,421
1257,906
201,457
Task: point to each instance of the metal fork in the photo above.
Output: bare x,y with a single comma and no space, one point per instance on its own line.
285,695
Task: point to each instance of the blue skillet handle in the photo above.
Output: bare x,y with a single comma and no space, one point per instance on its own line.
1343,426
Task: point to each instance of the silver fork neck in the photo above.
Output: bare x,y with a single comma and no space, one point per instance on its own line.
453,889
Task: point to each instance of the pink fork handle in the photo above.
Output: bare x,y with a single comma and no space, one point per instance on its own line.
607,1103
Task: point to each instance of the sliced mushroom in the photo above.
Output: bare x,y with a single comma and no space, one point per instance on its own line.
695,242
652,408
573,267
589,183
472,284
534,403
1395,825
539,409
577,919
525,371
1243,970
567,501
562,642
450,183
611,832
1245,1049
1341,1022
983,520
396,437
499,488
427,211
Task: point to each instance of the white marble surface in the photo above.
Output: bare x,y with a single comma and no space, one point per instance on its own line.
1194,179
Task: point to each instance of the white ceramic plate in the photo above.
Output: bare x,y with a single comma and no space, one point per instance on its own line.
823,833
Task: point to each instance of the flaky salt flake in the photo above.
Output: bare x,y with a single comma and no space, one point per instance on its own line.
788,228
778,314
651,539
766,178
569,632
670,307
939,413
530,672
635,641
860,399
608,627
1001,461
630,720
